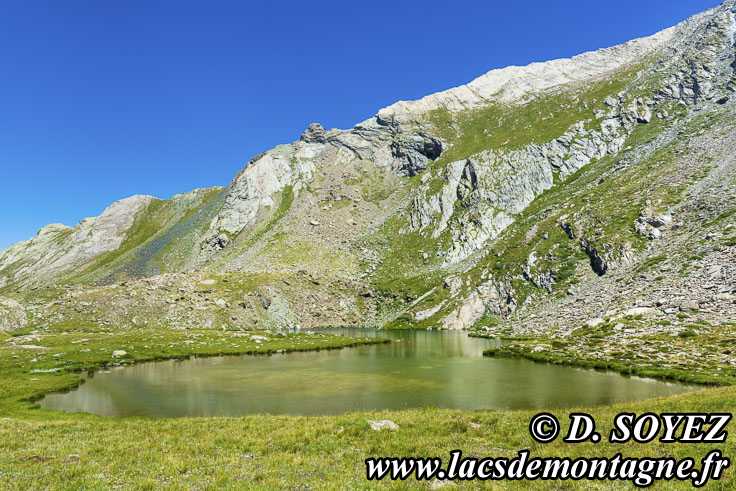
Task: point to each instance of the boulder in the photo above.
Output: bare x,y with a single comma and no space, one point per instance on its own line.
689,306
659,221
385,424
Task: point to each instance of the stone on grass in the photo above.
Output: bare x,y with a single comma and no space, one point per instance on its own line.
384,424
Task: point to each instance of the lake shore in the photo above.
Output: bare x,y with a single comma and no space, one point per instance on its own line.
701,354
45,449
56,449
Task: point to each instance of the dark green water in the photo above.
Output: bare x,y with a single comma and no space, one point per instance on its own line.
440,369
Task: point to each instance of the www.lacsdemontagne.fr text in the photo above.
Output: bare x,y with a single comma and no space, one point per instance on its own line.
671,428
640,471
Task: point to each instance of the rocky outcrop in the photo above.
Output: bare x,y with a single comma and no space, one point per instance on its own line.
491,297
495,185
412,154
597,262
12,316
256,187
651,225
379,142
697,64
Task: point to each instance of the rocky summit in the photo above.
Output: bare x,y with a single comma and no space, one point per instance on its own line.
591,198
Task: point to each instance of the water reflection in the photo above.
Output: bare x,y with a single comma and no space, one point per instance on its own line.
418,369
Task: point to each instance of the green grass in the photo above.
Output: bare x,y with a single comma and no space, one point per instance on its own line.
51,450
45,450
513,126
681,354
82,347
403,271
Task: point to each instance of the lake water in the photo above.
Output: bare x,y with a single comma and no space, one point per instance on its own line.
419,369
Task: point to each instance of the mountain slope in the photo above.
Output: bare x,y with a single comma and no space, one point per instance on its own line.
504,199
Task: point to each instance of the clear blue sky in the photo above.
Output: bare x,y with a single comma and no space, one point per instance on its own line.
100,100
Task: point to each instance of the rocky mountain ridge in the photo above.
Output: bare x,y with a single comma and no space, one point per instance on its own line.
468,208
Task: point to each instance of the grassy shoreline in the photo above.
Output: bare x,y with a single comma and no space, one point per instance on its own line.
697,353
252,352
58,358
45,449
58,450
506,352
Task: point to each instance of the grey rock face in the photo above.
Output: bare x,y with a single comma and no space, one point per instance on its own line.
569,230
493,186
597,262
412,154
697,58
514,83
12,316
380,142
494,297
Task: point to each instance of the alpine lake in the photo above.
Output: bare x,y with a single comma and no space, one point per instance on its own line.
444,369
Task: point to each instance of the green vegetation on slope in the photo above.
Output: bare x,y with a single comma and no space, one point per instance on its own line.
690,356
511,126
161,239
599,203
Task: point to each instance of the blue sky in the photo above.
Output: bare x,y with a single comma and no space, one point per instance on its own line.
100,100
